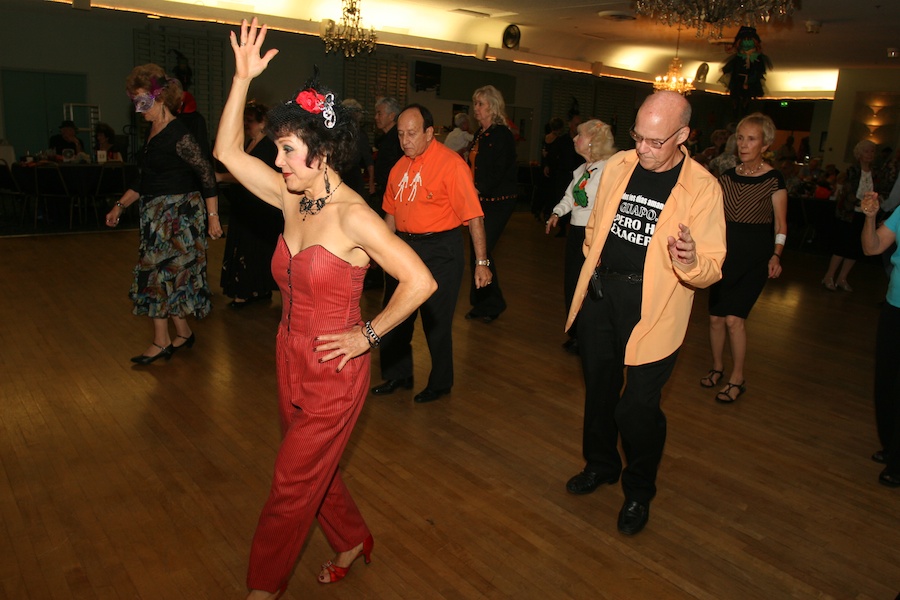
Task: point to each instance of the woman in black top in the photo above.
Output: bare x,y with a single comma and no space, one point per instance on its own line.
176,189
253,225
755,201
493,162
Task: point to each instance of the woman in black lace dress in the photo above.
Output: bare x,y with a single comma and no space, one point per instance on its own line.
176,189
253,225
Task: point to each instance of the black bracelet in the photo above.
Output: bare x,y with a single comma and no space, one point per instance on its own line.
778,255
370,335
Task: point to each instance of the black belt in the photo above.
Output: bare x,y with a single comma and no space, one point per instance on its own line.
632,277
419,236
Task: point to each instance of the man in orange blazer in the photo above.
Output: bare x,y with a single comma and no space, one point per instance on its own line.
656,233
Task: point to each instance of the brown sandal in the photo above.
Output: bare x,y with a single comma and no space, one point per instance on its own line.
712,378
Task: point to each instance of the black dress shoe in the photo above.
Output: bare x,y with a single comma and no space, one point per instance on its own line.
633,517
879,457
188,343
143,359
889,480
484,318
588,481
430,395
389,386
242,302
571,345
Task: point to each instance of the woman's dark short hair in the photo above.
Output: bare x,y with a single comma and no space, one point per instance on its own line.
106,130
256,111
337,143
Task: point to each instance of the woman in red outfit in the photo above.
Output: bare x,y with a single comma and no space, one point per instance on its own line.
330,236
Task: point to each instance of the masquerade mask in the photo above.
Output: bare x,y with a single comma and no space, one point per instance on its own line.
143,102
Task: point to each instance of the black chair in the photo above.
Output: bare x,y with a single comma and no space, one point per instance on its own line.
51,185
9,188
110,185
26,178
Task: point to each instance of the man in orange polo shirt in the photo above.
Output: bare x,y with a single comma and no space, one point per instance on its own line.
429,196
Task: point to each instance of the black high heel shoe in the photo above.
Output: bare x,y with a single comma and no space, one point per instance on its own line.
188,343
164,352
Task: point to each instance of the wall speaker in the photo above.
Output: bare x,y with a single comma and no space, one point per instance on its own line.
481,51
596,68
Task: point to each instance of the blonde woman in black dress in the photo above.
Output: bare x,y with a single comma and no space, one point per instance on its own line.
756,229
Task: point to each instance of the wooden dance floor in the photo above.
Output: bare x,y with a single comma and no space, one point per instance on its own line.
131,482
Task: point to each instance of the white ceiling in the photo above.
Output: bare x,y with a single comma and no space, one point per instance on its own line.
570,34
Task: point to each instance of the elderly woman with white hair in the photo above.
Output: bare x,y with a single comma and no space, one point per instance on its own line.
859,179
459,139
493,161
595,143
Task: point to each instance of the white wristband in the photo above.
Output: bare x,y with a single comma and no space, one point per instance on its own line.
780,238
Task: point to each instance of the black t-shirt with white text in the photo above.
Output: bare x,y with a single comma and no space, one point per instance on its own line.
635,221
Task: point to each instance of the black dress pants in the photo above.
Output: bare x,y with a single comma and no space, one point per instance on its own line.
574,258
610,411
443,254
887,386
488,301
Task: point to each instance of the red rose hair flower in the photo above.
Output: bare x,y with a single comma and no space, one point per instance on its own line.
310,101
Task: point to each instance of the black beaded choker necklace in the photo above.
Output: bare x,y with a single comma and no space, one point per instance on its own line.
310,206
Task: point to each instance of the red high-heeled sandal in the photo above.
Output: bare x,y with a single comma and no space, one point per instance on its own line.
336,573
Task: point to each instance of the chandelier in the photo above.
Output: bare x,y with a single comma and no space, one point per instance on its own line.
710,17
347,37
673,81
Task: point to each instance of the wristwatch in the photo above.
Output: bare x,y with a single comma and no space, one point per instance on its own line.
483,263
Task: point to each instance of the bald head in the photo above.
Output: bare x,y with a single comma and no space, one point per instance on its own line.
672,105
660,127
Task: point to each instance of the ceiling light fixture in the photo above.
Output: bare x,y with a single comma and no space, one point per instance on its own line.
673,80
347,37
710,17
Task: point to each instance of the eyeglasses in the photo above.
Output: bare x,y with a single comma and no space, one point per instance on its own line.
655,144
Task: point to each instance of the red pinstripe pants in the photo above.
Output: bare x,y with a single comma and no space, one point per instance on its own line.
319,408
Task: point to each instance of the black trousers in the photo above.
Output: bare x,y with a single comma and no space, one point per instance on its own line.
443,254
610,411
488,301
887,386
574,258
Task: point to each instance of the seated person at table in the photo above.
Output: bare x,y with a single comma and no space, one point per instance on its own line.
66,139
105,139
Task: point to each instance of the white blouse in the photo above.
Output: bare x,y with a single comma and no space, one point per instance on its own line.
580,214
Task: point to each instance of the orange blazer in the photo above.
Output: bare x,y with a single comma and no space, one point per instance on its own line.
668,291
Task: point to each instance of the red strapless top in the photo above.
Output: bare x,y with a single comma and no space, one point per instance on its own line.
320,292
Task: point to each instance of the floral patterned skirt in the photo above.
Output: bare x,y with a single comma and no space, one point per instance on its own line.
170,276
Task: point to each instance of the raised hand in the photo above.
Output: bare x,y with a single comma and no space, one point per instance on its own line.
248,60
683,250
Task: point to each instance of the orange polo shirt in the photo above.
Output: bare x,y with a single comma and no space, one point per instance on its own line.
432,192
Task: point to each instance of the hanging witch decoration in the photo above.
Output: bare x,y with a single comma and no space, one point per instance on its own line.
744,73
